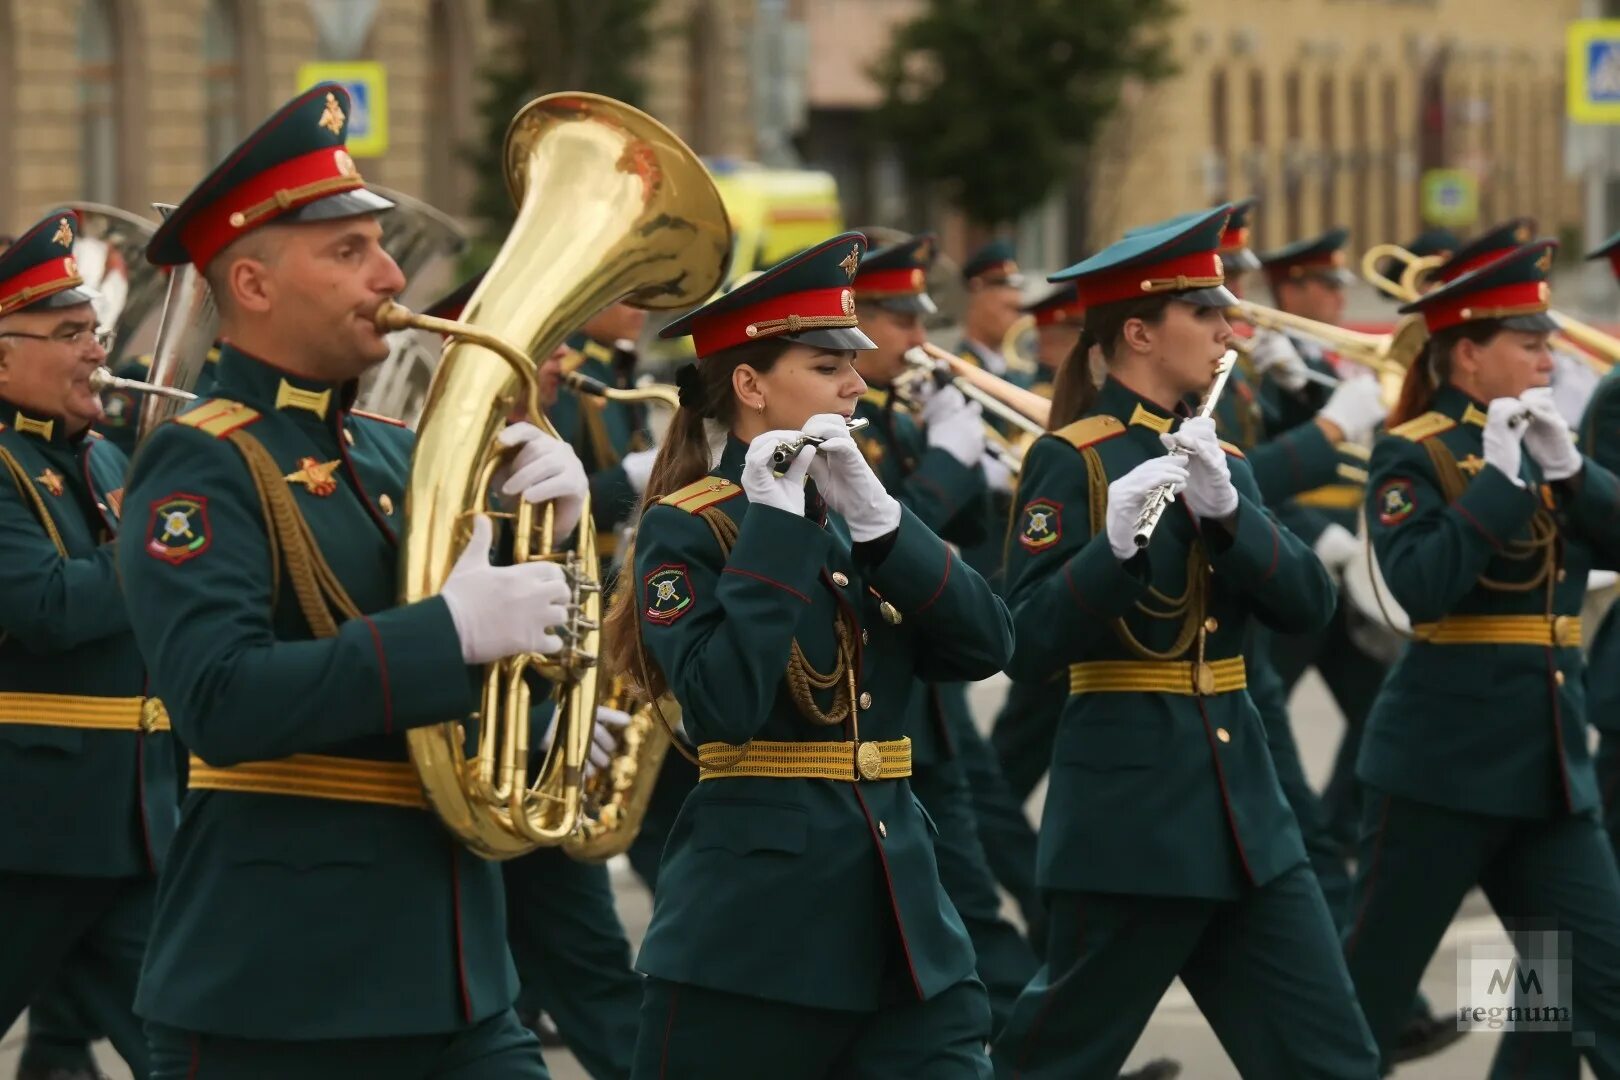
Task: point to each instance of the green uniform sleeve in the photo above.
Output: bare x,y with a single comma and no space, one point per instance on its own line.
960,628
1297,460
49,603
1591,503
1286,585
1306,522
1064,591
940,489
723,638
1432,552
235,692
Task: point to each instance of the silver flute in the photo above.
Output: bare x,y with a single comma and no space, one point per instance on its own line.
1160,498
786,451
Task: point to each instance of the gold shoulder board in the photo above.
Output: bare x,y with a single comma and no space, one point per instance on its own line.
1231,448
218,417
700,494
1089,430
1423,427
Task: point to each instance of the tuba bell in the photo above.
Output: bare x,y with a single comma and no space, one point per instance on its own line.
611,205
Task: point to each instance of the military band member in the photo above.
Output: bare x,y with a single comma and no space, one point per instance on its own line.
89,791
122,408
376,942
1204,876
993,283
1486,520
799,929
930,462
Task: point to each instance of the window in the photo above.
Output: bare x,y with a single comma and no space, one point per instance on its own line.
1218,140
1326,103
1393,148
703,36
222,76
1293,179
98,81
1360,163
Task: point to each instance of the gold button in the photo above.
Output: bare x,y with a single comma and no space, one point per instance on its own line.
1211,625
1558,677
725,483
1563,574
1563,630
840,578
386,503
866,637
1223,735
866,700
883,830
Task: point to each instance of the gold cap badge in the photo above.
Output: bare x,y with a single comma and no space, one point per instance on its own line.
332,116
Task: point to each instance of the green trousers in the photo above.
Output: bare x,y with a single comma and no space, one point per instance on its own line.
499,1048
1418,862
1005,960
691,1032
1265,970
95,928
59,1035
572,957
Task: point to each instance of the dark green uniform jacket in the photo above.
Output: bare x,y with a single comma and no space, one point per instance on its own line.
76,801
950,499
284,916
1152,793
1484,728
797,890
1600,441
1284,462
1290,416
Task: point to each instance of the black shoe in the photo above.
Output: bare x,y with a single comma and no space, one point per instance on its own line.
1423,1036
1157,1069
61,1074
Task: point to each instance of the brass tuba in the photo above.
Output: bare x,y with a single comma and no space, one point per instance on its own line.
611,205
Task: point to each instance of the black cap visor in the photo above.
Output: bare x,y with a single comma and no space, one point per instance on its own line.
1216,296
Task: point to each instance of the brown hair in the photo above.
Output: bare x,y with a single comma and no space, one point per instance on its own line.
683,458
1432,368
1074,392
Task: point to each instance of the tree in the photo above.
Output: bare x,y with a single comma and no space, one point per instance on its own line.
550,45
996,100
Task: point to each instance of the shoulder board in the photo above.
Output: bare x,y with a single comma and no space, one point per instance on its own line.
1423,427
701,494
218,417
379,417
1232,448
1089,430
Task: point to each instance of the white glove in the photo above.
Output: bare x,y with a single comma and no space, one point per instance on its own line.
604,738
504,610
544,469
1548,437
846,480
759,479
954,426
1504,437
996,475
1210,493
1336,547
638,466
922,391
1275,356
1127,494
1356,406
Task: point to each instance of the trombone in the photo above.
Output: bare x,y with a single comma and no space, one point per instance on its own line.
1386,355
1020,408
1598,349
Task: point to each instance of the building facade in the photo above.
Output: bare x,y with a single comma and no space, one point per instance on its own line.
130,101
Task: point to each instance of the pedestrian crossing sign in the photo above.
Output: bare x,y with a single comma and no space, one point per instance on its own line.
367,84
1592,69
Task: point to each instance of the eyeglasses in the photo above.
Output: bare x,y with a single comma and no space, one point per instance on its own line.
73,339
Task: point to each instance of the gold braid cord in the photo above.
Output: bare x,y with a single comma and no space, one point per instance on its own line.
1540,546
1189,606
25,486
321,597
802,679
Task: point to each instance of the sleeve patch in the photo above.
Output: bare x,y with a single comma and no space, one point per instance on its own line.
668,592
178,528
1395,502
1040,525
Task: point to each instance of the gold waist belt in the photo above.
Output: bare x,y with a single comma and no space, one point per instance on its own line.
82,711
889,760
1188,677
1332,497
317,776
1560,631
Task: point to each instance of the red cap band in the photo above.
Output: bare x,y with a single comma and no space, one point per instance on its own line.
1519,298
39,281
774,315
1072,312
1193,271
898,282
266,196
